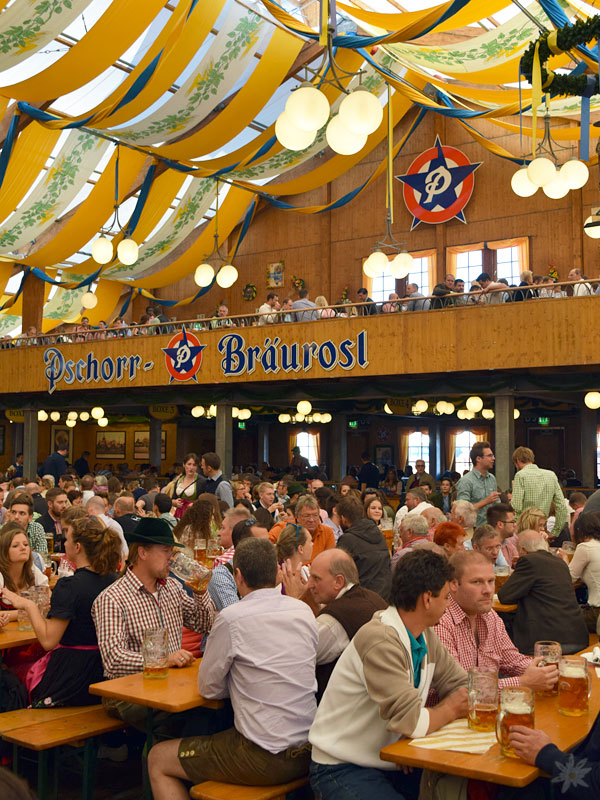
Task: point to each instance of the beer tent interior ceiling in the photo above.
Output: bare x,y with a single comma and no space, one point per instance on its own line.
192,90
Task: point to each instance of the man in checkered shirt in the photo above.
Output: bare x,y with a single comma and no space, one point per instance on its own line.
475,636
537,487
145,598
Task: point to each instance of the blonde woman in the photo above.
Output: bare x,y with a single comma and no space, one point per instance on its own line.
323,311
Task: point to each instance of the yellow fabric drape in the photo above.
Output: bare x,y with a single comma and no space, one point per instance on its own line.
93,212
403,434
32,149
450,435
522,245
292,441
316,437
270,71
116,30
473,12
179,42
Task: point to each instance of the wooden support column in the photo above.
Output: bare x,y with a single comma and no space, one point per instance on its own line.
263,443
224,438
577,233
504,408
434,448
33,303
155,444
338,447
30,444
589,426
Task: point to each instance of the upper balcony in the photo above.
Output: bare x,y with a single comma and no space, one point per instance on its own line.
461,345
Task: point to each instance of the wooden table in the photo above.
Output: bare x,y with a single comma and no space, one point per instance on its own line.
11,636
176,693
492,766
498,606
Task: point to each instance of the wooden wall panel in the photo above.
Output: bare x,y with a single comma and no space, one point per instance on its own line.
427,342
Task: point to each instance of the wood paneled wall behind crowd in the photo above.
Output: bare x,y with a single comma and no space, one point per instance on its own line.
326,250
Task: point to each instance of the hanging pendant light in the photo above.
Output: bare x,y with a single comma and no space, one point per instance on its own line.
89,300
102,248
575,173
361,112
225,274
521,184
307,108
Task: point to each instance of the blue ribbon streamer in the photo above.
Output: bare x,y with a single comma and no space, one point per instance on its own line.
8,146
19,290
141,201
558,17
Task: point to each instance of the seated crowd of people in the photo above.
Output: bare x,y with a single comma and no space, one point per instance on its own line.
451,292
331,625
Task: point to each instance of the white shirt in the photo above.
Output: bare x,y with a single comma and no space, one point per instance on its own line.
39,579
402,512
581,289
585,564
261,652
269,318
109,522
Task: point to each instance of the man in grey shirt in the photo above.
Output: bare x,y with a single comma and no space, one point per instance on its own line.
301,303
412,291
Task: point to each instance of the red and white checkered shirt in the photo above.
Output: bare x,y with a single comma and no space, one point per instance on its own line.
124,610
224,557
495,647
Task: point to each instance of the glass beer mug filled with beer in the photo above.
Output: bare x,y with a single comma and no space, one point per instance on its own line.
502,574
573,686
195,575
516,708
155,653
550,653
482,696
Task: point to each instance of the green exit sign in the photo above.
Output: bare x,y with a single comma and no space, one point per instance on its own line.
242,426
353,424
543,420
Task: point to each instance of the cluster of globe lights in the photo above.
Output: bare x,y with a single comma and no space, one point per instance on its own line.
103,251
473,405
554,181
96,413
378,263
225,277
304,413
307,111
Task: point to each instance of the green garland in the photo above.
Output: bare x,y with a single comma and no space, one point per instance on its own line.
249,291
566,39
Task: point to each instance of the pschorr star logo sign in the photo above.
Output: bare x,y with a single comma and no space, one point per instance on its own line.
183,356
438,185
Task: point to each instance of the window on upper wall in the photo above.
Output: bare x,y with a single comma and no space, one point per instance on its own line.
507,265
464,443
382,286
309,446
468,266
418,449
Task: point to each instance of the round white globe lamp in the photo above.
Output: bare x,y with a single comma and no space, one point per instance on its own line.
97,412
575,173
304,407
103,422
341,140
592,400
227,276
89,300
361,112
291,137
521,185
541,171
307,108
127,251
204,275
474,404
102,250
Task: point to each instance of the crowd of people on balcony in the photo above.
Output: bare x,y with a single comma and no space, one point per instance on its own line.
450,292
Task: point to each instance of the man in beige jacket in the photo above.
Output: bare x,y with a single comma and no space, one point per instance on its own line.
378,689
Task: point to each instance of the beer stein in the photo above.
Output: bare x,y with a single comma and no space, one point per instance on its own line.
502,575
516,708
573,686
155,653
195,575
482,696
551,653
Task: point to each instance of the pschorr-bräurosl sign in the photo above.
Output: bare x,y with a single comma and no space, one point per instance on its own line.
184,358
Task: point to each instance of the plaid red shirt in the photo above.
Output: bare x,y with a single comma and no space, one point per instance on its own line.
124,610
495,647
224,557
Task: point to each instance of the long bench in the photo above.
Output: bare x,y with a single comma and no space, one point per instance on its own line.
214,790
44,730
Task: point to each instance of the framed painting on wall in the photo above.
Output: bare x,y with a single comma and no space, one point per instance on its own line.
110,444
57,432
275,275
384,456
141,445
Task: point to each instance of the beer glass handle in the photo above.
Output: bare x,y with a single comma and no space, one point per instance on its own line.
499,718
